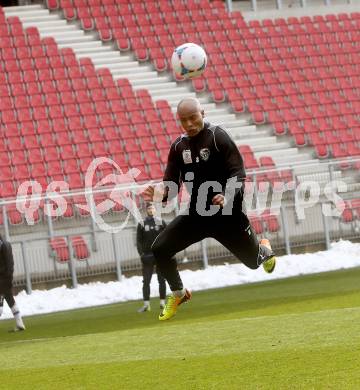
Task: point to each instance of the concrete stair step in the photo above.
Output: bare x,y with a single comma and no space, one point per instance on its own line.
173,101
23,8
69,40
268,139
179,92
260,141
56,30
140,72
114,63
34,19
240,122
111,53
156,86
56,23
353,187
320,176
210,109
249,134
241,131
67,34
267,147
90,51
120,75
284,156
289,152
311,166
209,106
215,112
236,123
164,86
26,12
149,73
88,45
142,83
125,72
220,119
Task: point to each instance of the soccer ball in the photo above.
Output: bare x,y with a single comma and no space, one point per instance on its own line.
189,60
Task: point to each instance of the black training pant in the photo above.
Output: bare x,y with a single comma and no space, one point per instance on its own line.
148,264
8,296
232,231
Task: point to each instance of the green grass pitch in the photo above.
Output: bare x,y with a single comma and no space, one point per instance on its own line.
298,333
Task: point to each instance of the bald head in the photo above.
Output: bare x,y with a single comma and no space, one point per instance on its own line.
189,103
191,116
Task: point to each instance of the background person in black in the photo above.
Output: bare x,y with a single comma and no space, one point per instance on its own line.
145,236
205,160
6,282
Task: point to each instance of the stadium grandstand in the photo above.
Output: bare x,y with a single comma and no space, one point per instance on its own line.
85,79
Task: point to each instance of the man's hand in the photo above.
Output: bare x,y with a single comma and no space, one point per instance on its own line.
148,193
154,193
219,200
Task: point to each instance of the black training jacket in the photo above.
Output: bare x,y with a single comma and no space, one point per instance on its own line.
211,155
6,265
146,234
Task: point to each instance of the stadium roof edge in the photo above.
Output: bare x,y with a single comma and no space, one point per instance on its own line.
267,11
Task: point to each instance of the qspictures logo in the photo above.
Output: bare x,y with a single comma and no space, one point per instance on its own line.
121,188
30,196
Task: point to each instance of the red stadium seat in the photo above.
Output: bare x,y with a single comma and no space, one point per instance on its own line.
75,181
150,157
248,156
347,215
69,211
120,159
99,149
14,216
21,172
161,141
60,249
70,166
6,173
271,222
138,130
67,152
67,137
110,134
83,150
143,175
145,144
355,204
38,170
95,135
35,156
51,154
256,224
18,157
155,171
199,85
283,71
7,189
131,146
80,248
135,159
